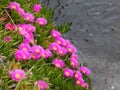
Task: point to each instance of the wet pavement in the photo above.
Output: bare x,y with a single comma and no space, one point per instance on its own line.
95,31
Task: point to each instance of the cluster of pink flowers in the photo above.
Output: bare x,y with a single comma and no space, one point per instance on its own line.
62,47
19,74
27,15
28,50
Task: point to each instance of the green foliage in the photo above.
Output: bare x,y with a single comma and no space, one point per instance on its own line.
35,70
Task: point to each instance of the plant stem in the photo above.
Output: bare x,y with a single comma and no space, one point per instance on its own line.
10,17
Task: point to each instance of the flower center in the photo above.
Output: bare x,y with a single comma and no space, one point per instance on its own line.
57,65
37,50
77,82
72,63
59,42
70,49
24,49
67,73
54,35
17,75
55,48
76,75
13,7
40,22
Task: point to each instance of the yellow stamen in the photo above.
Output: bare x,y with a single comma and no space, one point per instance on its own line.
17,75
76,75
67,73
77,82
24,49
72,63
37,50
54,48
57,65
40,22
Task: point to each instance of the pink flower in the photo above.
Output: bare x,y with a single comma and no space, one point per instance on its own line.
37,49
19,55
77,75
35,56
79,81
9,26
65,43
58,63
85,85
14,5
41,85
29,28
55,33
59,40
74,56
20,11
54,46
68,72
17,75
25,47
37,8
28,36
41,21
7,39
26,55
26,40
29,17
22,55
61,51
84,70
74,63
71,49
46,53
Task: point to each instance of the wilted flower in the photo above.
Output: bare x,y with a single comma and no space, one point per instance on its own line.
77,75
17,74
55,33
58,63
84,70
37,8
29,17
74,63
41,21
41,85
68,72
9,26
14,5
7,39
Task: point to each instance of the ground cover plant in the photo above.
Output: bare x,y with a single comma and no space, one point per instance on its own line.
34,54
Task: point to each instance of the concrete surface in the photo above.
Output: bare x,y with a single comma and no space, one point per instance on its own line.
95,31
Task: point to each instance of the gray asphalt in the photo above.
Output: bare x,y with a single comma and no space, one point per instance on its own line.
95,31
